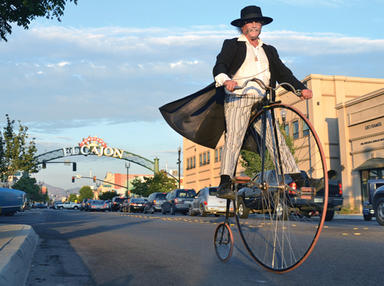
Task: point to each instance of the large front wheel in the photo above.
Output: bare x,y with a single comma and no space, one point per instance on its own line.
287,196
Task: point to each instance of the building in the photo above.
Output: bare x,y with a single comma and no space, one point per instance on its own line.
118,182
361,129
340,112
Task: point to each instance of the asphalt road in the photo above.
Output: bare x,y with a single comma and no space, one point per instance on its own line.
82,248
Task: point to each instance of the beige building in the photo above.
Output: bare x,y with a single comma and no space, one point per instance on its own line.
361,132
118,182
338,103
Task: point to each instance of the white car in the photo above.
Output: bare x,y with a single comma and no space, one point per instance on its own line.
206,202
71,206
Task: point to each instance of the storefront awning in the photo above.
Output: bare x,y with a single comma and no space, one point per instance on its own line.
374,163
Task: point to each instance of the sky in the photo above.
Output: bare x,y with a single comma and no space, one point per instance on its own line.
107,67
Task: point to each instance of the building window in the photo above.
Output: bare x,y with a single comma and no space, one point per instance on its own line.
295,127
218,153
191,163
305,129
204,158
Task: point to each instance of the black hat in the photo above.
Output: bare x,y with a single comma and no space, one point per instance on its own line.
251,13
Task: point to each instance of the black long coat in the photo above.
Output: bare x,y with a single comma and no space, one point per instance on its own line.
199,117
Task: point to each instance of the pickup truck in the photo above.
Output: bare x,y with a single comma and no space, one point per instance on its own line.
335,198
374,206
69,206
307,194
335,194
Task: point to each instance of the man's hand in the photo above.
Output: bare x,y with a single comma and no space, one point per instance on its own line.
306,94
230,85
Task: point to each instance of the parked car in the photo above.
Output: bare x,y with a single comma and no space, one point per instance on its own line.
11,201
206,203
71,206
59,205
54,204
135,205
84,205
178,200
373,206
154,202
116,203
98,205
109,203
40,205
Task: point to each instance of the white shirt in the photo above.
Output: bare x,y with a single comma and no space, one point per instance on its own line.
255,65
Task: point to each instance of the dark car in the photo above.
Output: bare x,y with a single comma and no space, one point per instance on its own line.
154,202
84,205
98,205
116,203
178,200
373,204
136,205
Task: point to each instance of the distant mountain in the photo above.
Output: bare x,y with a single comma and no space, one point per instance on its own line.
60,192
73,191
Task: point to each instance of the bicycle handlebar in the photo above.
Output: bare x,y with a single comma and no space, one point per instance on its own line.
264,86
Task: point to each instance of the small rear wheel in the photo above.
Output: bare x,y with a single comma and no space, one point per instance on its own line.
223,242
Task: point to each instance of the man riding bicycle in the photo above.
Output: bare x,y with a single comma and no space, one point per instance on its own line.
203,116
241,59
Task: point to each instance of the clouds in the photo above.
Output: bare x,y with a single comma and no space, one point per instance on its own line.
68,75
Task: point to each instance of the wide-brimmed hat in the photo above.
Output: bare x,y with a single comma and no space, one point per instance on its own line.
251,13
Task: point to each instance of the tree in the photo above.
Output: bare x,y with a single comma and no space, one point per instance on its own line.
31,188
160,182
108,195
16,153
23,12
85,193
72,198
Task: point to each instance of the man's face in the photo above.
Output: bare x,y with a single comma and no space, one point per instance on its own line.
252,30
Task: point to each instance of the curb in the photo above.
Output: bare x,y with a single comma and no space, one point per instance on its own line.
16,252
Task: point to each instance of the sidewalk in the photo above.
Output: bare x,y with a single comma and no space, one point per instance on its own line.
17,245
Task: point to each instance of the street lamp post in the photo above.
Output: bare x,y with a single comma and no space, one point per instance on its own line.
128,165
178,163
284,117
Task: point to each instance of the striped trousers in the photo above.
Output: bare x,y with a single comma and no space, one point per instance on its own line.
237,110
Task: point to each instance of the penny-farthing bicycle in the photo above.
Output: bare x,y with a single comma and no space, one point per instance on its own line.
280,210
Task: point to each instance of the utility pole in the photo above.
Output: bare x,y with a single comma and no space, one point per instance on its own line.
178,163
128,165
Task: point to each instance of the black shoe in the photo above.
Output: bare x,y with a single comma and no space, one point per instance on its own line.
224,190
